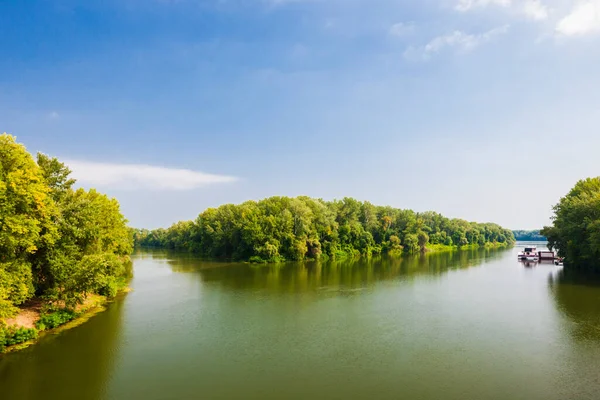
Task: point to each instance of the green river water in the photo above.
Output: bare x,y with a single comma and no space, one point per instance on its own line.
463,325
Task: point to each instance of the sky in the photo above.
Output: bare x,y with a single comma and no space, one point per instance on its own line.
486,110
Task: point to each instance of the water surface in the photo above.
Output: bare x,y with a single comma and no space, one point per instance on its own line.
462,325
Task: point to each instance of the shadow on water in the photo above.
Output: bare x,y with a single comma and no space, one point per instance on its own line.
577,295
67,365
345,276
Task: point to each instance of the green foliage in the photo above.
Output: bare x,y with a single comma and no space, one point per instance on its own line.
26,212
55,242
576,226
529,236
301,228
56,175
10,336
55,319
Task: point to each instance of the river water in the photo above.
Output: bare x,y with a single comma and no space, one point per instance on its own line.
462,325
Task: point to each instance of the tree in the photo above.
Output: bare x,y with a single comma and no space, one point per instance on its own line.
575,232
55,242
422,239
25,222
56,175
411,243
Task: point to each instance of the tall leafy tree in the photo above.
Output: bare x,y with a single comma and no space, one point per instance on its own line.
26,211
575,232
55,242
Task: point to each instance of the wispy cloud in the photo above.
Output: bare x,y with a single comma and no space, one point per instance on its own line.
53,115
583,19
402,28
134,176
534,9
466,5
459,40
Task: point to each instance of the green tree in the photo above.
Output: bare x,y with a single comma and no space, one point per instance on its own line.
575,232
26,210
56,242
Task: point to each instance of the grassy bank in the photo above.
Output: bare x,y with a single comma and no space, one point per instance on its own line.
437,248
34,321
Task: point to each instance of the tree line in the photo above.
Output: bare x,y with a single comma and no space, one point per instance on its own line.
529,236
575,232
283,228
57,243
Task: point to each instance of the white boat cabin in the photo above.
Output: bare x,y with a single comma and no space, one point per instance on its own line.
530,251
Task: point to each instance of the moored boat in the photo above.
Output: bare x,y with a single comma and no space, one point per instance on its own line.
529,254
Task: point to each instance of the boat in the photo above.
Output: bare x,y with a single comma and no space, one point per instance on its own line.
559,261
529,254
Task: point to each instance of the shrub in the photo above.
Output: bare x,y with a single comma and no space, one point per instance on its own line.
109,289
9,336
55,319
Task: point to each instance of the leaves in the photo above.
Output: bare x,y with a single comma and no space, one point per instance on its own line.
576,229
56,242
301,228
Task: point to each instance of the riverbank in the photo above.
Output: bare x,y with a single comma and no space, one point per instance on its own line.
338,256
32,323
437,248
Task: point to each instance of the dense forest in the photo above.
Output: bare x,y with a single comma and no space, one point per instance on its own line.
529,236
282,228
575,232
57,244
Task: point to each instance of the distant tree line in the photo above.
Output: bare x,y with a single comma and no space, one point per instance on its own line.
575,232
56,243
529,236
283,228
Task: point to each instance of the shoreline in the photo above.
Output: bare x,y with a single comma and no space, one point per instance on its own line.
437,248
85,312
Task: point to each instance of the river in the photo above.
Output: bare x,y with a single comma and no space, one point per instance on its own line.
462,325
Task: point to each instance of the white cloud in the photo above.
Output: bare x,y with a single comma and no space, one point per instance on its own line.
459,40
402,28
134,176
53,115
584,19
466,5
534,9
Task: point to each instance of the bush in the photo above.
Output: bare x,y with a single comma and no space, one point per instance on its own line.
9,336
55,319
256,260
110,288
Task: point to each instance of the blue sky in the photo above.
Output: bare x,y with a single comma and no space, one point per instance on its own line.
487,110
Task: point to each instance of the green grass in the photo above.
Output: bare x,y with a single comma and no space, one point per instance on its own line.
12,336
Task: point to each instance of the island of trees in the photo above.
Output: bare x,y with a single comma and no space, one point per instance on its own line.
529,236
59,247
575,232
282,228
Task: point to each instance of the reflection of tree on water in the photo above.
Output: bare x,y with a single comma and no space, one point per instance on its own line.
346,276
531,264
76,364
577,296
